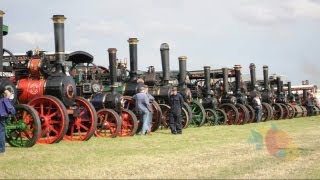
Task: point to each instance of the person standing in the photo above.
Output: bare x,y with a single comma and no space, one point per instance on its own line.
257,105
310,104
150,100
6,108
176,103
141,103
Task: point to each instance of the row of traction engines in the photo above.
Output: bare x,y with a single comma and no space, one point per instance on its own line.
67,96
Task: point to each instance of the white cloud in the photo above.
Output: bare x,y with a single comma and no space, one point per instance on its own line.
32,38
305,8
167,27
103,27
276,12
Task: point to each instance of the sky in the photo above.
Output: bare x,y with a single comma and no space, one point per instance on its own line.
285,35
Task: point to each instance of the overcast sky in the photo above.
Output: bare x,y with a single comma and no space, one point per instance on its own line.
284,34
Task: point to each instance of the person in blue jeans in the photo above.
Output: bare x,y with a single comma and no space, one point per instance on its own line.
151,99
141,102
257,107
6,108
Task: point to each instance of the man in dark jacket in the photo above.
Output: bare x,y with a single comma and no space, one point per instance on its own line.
176,103
6,108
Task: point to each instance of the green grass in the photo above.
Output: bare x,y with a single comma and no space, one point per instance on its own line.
206,152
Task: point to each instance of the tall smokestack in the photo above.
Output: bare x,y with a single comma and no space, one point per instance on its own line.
225,72
58,21
1,40
207,80
253,76
164,50
278,85
113,68
266,77
289,89
182,70
305,94
237,69
133,50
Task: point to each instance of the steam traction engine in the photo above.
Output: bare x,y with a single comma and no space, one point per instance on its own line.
23,128
91,80
193,112
267,111
45,84
237,99
129,86
196,111
214,116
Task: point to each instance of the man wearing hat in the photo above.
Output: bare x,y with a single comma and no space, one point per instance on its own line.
6,108
176,103
142,108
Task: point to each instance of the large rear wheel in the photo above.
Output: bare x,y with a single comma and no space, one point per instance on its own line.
53,117
109,123
244,115
252,114
83,122
129,123
198,114
211,117
292,111
267,112
23,129
231,112
277,111
221,117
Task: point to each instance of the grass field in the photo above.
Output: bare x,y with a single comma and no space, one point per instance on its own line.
206,152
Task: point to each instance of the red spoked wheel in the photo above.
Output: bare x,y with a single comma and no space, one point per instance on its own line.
130,105
156,116
165,121
277,111
165,115
267,112
129,123
53,117
156,113
286,112
231,112
244,115
292,111
109,123
83,122
252,114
